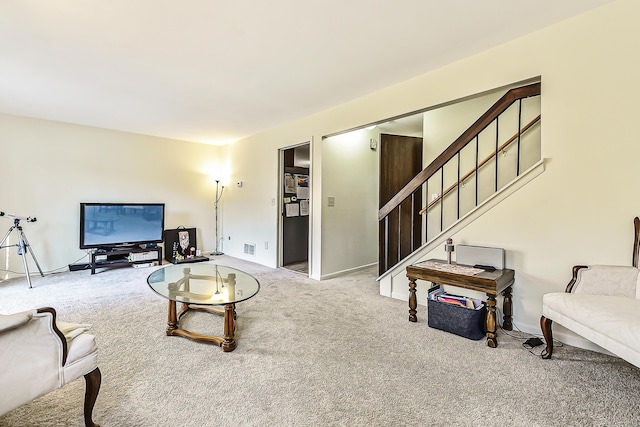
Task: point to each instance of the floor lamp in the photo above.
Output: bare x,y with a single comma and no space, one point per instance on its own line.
218,196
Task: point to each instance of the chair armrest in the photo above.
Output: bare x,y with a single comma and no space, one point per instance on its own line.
32,356
576,269
614,280
59,334
15,320
48,315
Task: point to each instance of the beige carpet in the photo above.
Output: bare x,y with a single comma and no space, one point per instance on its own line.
330,353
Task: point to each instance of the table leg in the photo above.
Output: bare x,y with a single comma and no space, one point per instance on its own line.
229,343
172,321
491,322
413,303
507,308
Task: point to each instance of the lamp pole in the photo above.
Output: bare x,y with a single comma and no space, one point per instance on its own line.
218,196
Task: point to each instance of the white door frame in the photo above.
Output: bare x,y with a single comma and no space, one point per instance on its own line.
280,202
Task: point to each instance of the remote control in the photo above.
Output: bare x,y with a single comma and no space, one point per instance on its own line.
485,267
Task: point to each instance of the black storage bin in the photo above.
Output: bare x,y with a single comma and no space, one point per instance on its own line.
458,320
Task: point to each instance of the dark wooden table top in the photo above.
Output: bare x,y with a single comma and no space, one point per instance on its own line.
489,282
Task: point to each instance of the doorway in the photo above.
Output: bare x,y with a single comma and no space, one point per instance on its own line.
295,194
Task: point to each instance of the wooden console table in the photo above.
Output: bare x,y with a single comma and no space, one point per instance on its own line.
489,282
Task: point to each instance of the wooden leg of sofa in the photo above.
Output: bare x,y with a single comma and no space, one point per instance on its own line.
545,325
93,380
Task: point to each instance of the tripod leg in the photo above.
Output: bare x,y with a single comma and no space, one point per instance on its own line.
23,253
25,245
6,235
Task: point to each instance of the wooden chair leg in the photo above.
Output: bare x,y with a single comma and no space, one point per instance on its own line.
93,380
545,325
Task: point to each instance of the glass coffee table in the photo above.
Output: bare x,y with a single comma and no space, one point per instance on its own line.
204,287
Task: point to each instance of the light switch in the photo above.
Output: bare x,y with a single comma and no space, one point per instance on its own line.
331,201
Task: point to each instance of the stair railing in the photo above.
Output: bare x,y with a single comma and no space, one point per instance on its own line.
453,150
475,170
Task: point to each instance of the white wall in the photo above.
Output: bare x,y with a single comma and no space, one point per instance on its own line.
443,125
350,173
48,168
250,212
580,210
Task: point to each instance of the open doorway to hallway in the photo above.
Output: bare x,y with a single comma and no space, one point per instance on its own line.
295,194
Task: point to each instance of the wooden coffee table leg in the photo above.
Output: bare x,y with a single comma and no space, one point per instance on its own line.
172,321
229,343
413,303
492,340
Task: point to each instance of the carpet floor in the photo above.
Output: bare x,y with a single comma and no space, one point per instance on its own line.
310,353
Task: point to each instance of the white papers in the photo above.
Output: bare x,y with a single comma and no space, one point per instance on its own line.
302,192
289,183
292,209
304,207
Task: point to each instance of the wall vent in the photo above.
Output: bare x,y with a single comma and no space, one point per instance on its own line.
249,249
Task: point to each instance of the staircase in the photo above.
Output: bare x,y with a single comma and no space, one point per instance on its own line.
496,151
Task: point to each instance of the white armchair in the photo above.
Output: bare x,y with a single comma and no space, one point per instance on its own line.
39,354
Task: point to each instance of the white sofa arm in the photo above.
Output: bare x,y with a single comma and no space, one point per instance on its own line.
40,350
12,321
614,280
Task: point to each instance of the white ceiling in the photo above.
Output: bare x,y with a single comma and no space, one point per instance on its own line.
215,71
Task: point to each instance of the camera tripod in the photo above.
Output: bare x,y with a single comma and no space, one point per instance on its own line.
22,244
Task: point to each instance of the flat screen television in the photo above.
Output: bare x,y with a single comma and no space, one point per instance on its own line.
114,225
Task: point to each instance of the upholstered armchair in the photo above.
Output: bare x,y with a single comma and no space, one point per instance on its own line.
38,354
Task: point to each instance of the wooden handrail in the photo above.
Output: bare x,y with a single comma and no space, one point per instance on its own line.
478,126
482,163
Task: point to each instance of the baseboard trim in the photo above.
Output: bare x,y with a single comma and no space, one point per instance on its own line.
347,271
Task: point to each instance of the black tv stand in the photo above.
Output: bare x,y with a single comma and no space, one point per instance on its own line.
119,257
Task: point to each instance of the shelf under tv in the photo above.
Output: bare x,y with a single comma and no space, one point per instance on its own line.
119,257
